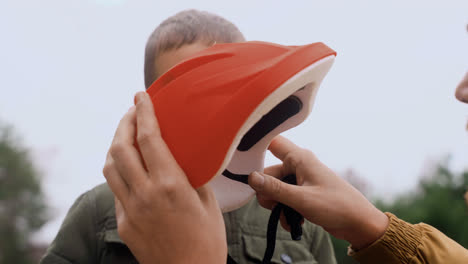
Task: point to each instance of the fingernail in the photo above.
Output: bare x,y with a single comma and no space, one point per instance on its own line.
256,180
139,97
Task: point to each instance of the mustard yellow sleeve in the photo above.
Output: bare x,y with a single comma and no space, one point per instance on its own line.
411,244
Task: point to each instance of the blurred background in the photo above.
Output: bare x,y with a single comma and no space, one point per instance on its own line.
385,117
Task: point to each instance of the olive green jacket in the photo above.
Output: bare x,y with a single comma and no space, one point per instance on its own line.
89,235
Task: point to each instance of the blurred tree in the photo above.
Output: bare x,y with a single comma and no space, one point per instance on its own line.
341,251
22,206
438,200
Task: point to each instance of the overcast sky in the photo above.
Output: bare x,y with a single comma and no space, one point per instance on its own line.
69,70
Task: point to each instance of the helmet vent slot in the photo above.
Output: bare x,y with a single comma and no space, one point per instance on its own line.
278,115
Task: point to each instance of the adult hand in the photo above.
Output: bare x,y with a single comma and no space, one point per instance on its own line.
160,216
321,196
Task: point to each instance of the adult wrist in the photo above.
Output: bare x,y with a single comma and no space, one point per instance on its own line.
399,244
369,230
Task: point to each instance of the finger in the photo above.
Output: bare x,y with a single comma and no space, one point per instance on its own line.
266,202
121,218
205,193
275,189
154,150
275,171
119,211
284,222
125,156
208,198
280,147
114,180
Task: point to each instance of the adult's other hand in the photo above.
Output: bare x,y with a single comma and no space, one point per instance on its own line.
160,216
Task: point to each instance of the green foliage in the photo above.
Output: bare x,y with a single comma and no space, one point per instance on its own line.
341,251
22,205
437,201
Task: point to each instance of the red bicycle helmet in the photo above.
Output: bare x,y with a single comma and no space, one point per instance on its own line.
219,110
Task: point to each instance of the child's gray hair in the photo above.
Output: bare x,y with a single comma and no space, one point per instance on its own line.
187,27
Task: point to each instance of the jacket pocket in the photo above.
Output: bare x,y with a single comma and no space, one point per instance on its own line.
286,251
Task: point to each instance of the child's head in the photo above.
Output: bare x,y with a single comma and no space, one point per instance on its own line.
182,35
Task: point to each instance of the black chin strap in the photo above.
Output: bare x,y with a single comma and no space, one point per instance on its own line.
293,218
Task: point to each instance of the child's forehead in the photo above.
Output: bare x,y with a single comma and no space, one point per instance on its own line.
167,59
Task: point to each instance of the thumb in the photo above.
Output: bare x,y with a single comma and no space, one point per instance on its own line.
274,188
